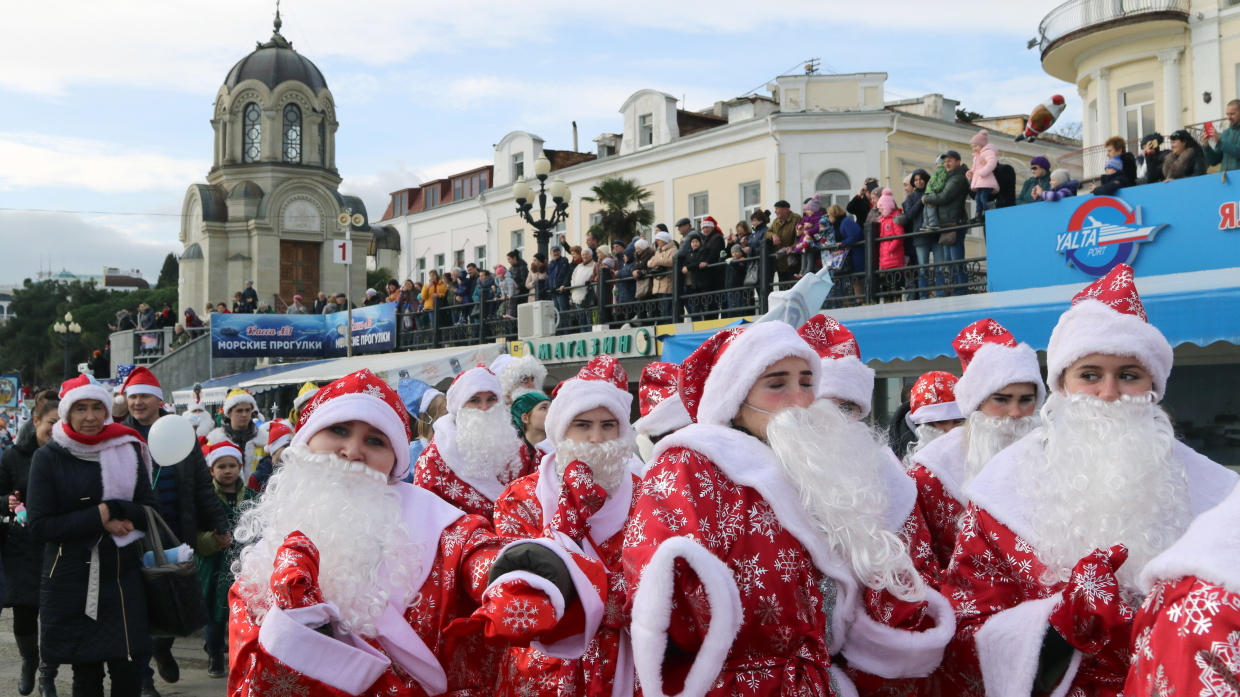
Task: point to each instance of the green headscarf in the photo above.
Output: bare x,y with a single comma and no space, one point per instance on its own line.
523,405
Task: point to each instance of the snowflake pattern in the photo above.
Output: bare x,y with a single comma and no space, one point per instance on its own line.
520,614
974,336
763,521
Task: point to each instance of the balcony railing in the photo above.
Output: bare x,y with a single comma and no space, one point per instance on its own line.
1091,160
1077,15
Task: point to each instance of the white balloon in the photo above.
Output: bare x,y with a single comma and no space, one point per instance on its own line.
171,440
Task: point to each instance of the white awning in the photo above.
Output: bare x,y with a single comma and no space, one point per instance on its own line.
429,366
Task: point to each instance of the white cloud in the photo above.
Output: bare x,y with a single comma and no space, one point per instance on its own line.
29,160
31,240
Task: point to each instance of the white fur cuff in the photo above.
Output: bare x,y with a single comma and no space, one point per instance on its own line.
537,582
287,636
1009,645
891,653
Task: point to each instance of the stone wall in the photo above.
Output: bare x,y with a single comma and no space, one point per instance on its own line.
192,363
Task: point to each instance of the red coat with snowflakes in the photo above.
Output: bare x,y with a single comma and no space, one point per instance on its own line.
1002,606
1186,637
938,470
434,472
285,656
732,591
522,511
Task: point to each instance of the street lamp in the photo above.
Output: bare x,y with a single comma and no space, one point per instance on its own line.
560,196
68,331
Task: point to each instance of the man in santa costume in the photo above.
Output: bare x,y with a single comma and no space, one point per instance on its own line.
519,375
658,400
476,451
1186,636
998,396
760,531
1061,525
933,412
581,496
351,579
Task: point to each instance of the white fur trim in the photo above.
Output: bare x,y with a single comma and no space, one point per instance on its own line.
512,372
501,361
844,684
1092,327
289,637
591,604
743,362
144,389
1209,550
652,615
470,383
943,411
891,653
249,460
358,406
445,442
993,368
1009,645
666,416
537,582
406,649
848,379
230,451
233,401
426,516
278,443
301,399
88,391
945,457
578,396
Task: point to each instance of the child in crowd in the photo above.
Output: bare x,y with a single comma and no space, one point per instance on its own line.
809,234
693,268
212,552
890,254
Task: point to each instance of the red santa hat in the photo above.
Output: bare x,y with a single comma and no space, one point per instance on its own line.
279,434
142,381
658,398
470,383
717,376
600,383
1107,317
844,376
360,397
79,388
709,222
992,360
238,396
224,448
934,398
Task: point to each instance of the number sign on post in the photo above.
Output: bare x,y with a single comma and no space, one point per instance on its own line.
342,252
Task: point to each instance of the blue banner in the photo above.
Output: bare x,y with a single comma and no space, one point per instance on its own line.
374,329
257,336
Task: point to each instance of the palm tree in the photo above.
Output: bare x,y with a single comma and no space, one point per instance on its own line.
619,221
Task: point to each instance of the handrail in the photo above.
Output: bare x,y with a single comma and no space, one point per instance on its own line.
1076,15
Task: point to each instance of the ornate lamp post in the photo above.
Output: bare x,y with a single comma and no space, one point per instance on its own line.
69,332
560,196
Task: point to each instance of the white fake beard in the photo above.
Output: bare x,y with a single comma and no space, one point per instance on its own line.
608,461
488,444
1106,475
516,373
926,434
986,435
354,519
833,463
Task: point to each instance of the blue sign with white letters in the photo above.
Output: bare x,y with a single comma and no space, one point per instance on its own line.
303,336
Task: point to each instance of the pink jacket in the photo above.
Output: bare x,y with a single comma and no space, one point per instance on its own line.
890,254
983,171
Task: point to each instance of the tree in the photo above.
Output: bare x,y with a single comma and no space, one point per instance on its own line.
378,279
967,116
619,221
1072,130
170,274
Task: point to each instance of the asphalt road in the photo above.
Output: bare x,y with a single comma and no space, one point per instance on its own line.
189,654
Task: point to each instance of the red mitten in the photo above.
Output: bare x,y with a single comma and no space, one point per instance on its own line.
1092,613
295,579
580,498
512,613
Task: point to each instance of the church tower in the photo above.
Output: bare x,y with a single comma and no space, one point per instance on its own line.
268,211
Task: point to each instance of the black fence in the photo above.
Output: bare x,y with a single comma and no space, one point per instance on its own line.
733,288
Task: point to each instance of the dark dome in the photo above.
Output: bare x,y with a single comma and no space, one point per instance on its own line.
275,62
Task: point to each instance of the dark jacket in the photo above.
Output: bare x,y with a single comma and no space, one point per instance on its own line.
950,201
753,246
23,559
125,322
1190,163
1130,165
859,208
520,272
899,435
848,231
1026,191
1153,165
558,274
1005,174
698,277
250,296
1111,183
318,306
63,508
713,245
201,510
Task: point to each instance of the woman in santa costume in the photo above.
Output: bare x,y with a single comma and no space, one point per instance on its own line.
582,497
351,579
85,504
1061,525
759,532
933,412
658,399
1186,636
476,451
998,396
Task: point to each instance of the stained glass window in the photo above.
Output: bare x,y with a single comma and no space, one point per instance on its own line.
292,133
252,134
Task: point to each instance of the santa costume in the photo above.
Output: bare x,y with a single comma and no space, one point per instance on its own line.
1062,524
737,583
991,360
331,543
582,497
931,401
475,453
1186,636
658,399
519,375
845,379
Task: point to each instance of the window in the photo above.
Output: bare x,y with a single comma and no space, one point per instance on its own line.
400,203
468,187
647,231
1138,106
699,207
252,133
751,199
292,133
480,256
833,187
483,182
518,240
422,270
645,130
432,196
458,259
457,189
439,264
606,151
518,166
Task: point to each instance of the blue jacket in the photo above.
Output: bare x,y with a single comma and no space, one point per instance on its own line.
754,243
848,231
558,274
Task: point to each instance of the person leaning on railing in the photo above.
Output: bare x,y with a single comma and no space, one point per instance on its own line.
1224,148
433,294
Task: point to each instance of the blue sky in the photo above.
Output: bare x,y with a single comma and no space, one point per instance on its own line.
106,106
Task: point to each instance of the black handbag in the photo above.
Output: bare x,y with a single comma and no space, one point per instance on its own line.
174,603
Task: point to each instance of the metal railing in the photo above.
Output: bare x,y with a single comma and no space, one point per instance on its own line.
1078,15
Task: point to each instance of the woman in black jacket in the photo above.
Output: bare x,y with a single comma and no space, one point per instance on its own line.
23,559
88,487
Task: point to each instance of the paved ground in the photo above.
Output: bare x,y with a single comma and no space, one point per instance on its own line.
189,654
